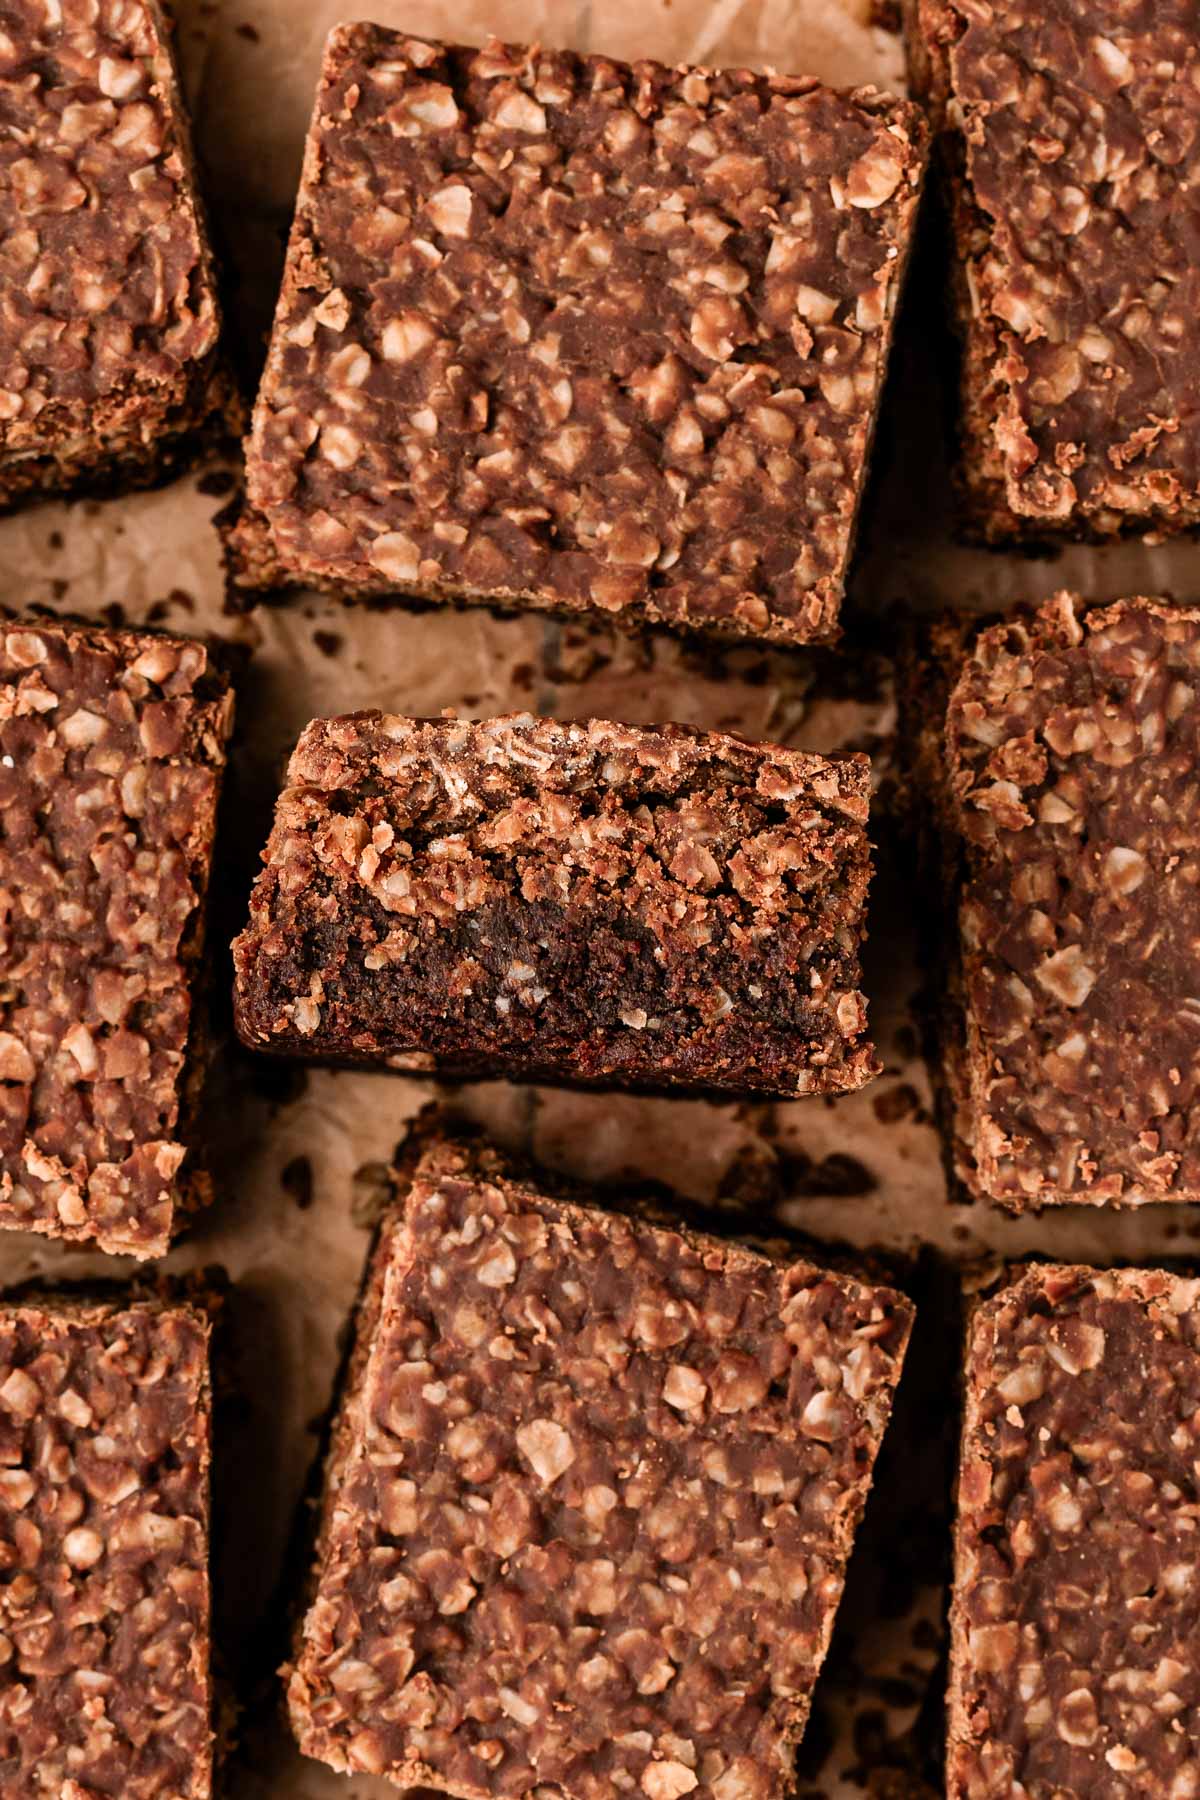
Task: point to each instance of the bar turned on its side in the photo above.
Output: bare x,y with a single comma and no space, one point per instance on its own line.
581,902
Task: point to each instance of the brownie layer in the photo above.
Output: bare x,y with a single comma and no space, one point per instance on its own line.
112,748
108,309
1066,791
589,1501
105,1685
1072,147
561,332
590,902
1076,1605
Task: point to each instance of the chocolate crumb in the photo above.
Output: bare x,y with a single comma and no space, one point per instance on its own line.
896,1103
215,484
372,1188
296,1179
838,1175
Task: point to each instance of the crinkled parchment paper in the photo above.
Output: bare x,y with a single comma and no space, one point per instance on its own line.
298,1156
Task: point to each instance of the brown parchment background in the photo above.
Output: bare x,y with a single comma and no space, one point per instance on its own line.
298,1156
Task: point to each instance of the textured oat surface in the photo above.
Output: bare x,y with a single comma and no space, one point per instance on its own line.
104,1607
1070,749
583,335
295,1156
590,901
1073,141
112,746
1076,1605
589,1501
108,312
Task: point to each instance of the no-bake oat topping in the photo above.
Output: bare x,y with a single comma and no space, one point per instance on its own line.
105,1682
1068,796
1072,134
108,311
575,334
589,1501
112,747
1076,1602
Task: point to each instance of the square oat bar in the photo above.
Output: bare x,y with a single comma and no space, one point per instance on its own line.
589,1502
1074,1613
1059,750
108,309
112,749
563,902
105,1684
560,332
1071,133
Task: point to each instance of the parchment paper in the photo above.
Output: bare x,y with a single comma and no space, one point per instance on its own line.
298,1157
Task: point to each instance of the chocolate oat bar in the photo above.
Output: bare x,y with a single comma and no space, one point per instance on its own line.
105,1685
1060,750
584,902
590,1496
108,307
1073,1624
1073,169
112,748
560,332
